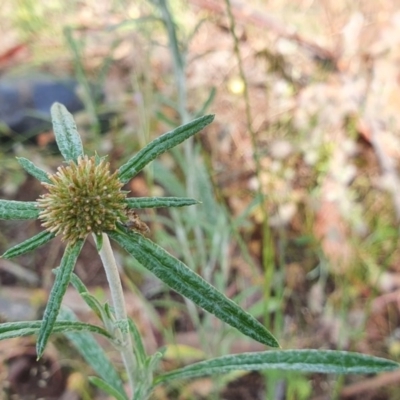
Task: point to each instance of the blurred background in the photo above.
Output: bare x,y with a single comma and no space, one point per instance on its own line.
298,178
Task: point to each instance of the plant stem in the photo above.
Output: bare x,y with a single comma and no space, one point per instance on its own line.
117,295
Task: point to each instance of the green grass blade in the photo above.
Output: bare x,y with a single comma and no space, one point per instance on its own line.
57,293
11,209
158,202
319,361
106,387
30,244
208,102
66,133
190,285
160,145
94,355
33,170
168,179
86,94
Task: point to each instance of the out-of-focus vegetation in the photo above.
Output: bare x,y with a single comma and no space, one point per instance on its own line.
298,175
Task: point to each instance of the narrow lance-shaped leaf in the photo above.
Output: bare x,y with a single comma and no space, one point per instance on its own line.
67,136
138,343
90,300
106,387
319,361
158,202
11,209
76,282
160,145
57,293
19,333
190,285
98,239
94,355
10,330
30,244
33,170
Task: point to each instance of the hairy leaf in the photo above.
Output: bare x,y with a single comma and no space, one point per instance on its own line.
30,244
190,285
160,145
106,387
67,136
320,361
57,293
19,329
11,209
33,170
158,202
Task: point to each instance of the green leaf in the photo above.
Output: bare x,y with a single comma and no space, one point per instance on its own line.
94,355
319,361
107,388
33,170
67,136
190,285
158,202
90,300
94,304
57,293
99,241
10,209
78,284
160,145
19,333
99,159
138,343
98,309
74,326
10,330
30,244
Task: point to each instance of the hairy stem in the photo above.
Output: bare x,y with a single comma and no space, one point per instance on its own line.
117,295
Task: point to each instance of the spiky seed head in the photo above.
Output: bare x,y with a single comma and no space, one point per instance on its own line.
82,198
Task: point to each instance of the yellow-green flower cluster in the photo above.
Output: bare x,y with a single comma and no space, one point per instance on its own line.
82,198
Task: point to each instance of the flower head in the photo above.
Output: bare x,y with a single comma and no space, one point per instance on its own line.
82,198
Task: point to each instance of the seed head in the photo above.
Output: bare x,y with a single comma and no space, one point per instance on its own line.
82,198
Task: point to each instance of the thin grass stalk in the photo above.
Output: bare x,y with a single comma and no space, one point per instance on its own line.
180,78
267,248
83,81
